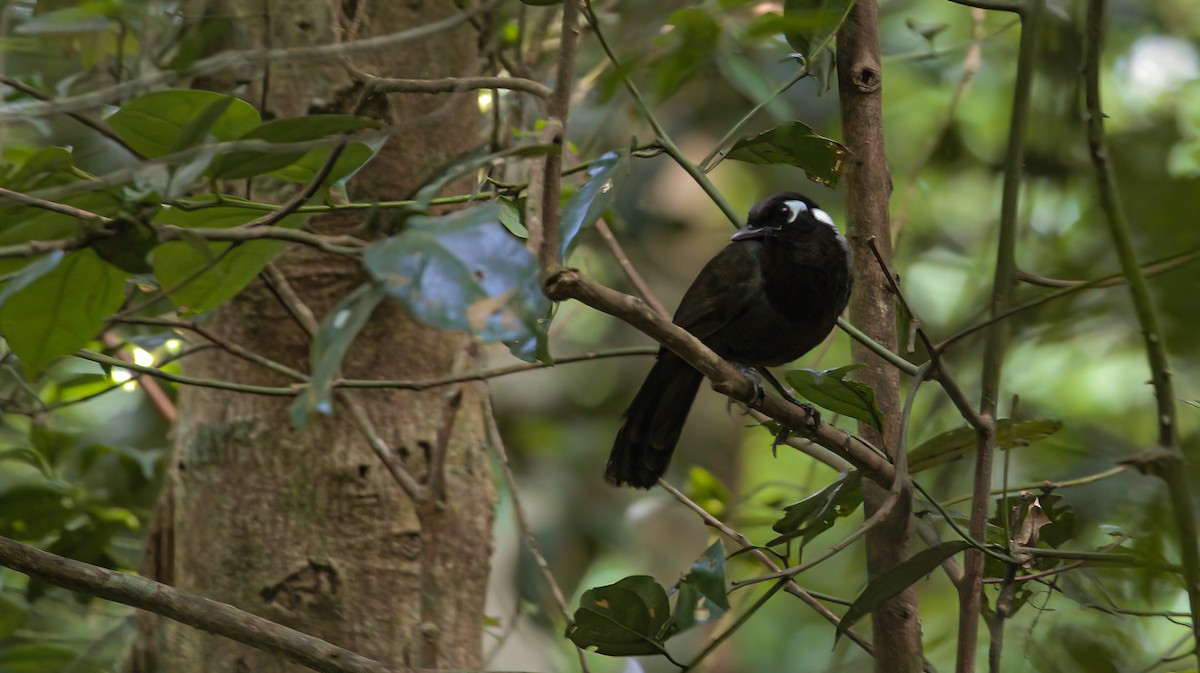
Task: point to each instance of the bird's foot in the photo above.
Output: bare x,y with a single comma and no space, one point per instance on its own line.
814,416
755,376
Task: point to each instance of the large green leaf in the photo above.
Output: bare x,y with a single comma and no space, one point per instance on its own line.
896,579
167,121
794,144
622,619
812,23
204,275
817,513
302,165
830,389
464,271
329,347
62,310
954,444
31,272
691,43
702,595
589,203
36,658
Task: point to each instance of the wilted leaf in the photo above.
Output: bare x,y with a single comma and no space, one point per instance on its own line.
329,348
464,271
794,144
828,388
62,310
1031,525
896,579
954,444
622,619
702,595
817,513
167,121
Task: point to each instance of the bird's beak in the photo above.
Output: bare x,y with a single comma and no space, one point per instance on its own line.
746,233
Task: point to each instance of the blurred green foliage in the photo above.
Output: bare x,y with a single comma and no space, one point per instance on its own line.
80,479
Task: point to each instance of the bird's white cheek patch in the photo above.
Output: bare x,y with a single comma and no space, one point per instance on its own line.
795,208
822,216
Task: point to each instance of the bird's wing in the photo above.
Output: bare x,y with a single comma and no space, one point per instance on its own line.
722,291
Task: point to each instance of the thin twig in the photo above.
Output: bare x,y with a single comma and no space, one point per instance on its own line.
1171,465
96,125
236,59
388,85
742,541
187,608
970,592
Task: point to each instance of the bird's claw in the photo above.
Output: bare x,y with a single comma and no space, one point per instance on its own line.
814,416
760,393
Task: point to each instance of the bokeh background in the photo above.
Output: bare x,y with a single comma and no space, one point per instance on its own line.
88,487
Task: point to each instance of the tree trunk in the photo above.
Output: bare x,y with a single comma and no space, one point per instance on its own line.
307,527
896,624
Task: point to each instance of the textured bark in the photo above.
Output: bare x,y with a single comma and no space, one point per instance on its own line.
896,626
306,527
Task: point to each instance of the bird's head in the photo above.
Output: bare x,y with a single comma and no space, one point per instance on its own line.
784,214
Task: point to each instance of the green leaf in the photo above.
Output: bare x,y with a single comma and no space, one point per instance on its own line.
622,619
896,579
812,23
706,490
35,658
752,82
794,144
829,389
62,310
702,595
329,347
817,513
954,444
46,161
542,3
691,42
206,274
591,200
129,247
12,615
510,217
302,165
31,272
464,271
166,121
87,18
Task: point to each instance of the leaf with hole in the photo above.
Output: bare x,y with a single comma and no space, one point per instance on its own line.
163,122
464,271
896,579
623,619
818,512
793,144
329,347
954,444
828,388
61,310
702,596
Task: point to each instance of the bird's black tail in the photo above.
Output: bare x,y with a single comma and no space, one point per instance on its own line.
644,444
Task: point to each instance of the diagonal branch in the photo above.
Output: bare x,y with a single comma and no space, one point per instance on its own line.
726,378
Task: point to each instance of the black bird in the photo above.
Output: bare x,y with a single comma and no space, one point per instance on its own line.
767,298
